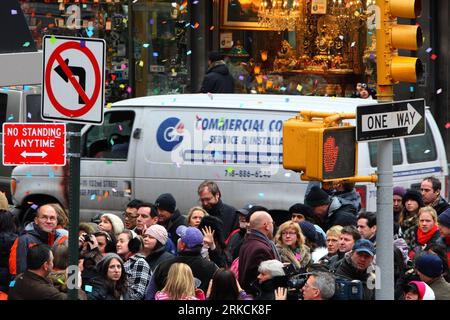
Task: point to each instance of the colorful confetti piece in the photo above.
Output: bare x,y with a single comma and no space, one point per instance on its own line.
241,78
299,88
230,170
34,206
155,54
52,39
141,63
189,53
211,28
93,196
433,56
13,12
114,190
51,174
109,105
261,194
28,175
447,125
439,91
26,44
287,174
429,50
146,45
106,194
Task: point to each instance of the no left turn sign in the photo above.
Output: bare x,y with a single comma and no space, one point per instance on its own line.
73,79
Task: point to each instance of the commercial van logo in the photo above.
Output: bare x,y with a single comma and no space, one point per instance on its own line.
170,134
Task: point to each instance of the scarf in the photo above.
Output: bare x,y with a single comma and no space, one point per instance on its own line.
424,237
264,238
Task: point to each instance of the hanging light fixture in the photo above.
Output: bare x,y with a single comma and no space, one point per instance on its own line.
280,15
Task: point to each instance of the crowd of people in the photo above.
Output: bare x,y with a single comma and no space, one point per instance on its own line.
325,250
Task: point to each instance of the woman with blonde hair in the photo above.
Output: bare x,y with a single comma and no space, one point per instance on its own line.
426,231
195,215
180,285
290,243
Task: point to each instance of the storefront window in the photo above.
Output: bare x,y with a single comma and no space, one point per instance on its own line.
105,19
161,52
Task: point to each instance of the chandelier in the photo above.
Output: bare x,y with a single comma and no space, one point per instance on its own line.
280,15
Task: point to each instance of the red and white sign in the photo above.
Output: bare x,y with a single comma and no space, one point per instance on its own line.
73,79
34,144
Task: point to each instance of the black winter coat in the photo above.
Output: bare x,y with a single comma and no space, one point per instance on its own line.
441,206
158,256
101,291
218,79
6,241
228,216
202,269
338,214
175,221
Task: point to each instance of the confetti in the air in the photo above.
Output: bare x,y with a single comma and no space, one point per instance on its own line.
439,91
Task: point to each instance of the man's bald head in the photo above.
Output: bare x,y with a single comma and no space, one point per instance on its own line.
262,221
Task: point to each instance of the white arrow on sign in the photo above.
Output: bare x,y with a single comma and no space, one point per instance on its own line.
42,154
391,120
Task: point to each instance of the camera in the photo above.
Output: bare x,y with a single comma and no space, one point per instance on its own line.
296,279
87,237
348,290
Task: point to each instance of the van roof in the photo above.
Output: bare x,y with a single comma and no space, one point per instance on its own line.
250,101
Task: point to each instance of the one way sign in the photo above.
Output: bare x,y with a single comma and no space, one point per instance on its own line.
391,120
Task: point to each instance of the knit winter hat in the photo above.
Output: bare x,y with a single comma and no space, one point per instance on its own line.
425,292
317,197
158,232
116,223
430,265
300,208
166,202
399,191
308,230
413,195
444,218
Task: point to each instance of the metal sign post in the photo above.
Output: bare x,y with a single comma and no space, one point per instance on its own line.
74,134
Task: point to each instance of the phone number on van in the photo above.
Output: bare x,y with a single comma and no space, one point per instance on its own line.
247,174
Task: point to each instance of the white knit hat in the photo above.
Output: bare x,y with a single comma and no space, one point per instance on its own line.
116,223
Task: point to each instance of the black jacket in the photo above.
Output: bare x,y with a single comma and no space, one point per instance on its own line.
30,286
441,206
6,241
266,289
228,216
175,221
158,256
235,243
218,79
202,269
338,214
101,291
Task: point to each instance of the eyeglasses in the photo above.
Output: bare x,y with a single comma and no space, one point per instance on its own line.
288,234
129,216
44,218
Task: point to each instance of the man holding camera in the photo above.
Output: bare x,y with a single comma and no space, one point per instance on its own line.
356,263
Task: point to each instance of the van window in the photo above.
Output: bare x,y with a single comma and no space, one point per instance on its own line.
421,148
3,105
397,157
110,140
33,112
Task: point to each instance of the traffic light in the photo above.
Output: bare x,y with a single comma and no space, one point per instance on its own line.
322,153
392,68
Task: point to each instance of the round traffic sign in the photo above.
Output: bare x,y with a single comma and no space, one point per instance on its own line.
89,102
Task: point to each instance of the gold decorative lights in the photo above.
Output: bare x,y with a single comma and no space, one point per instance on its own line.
280,15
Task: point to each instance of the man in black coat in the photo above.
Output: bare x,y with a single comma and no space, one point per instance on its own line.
169,216
330,211
189,252
210,197
431,194
218,78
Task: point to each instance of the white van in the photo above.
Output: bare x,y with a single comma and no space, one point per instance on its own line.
17,104
152,145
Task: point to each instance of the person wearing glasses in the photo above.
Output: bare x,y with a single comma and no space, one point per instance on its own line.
41,231
130,214
291,246
211,200
319,286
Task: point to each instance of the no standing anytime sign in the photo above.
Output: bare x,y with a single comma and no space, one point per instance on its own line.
73,79
34,144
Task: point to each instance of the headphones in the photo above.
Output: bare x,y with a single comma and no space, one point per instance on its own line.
134,245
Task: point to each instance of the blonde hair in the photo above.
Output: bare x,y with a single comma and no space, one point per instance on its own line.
334,231
180,282
192,210
290,225
428,209
61,214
